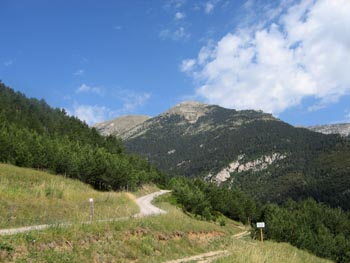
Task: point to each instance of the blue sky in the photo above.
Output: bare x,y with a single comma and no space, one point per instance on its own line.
103,59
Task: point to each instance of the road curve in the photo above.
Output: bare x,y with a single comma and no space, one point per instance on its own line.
145,204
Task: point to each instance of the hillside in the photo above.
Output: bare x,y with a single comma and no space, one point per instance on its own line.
251,150
32,197
32,134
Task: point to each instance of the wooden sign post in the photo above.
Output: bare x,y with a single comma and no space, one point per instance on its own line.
91,201
261,225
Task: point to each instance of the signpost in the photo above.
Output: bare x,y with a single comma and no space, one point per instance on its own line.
261,225
91,201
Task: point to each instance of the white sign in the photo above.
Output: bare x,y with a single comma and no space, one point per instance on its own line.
260,224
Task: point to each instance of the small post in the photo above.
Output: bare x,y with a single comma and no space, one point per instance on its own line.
261,225
91,201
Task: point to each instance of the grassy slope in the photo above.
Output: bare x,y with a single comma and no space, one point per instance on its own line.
29,197
243,251
152,239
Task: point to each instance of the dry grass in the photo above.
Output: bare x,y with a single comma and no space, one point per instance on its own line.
30,197
272,252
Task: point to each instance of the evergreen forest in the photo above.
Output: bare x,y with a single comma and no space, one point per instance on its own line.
306,224
32,134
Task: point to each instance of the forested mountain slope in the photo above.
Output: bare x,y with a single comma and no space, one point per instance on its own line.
32,134
248,149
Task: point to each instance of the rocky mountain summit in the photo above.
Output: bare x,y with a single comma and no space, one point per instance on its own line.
342,128
191,111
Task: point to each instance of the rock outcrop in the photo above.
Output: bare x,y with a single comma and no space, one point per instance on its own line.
342,128
240,166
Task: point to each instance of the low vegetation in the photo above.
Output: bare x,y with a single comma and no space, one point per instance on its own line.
153,239
271,252
29,197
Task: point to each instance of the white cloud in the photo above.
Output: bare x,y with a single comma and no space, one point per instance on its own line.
79,72
129,101
179,15
89,89
209,7
90,114
179,33
304,53
187,65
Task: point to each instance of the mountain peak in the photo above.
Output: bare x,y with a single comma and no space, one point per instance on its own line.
189,110
190,103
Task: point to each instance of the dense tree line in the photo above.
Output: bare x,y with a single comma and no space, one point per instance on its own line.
310,225
32,134
209,200
306,224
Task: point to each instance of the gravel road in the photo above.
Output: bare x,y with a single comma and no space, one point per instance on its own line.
145,204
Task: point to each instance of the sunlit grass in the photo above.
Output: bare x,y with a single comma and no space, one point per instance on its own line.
30,197
243,251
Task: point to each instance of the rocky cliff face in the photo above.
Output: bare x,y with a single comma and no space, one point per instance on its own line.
342,128
239,166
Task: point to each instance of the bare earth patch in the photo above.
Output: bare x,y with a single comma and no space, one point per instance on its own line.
202,258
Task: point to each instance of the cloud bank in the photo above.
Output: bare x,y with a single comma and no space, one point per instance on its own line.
91,114
272,65
127,102
83,88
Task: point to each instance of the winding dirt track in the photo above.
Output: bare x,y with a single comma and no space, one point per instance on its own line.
144,202
146,207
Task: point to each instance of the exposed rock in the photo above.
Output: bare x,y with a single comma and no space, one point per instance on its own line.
171,151
189,110
239,166
342,128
